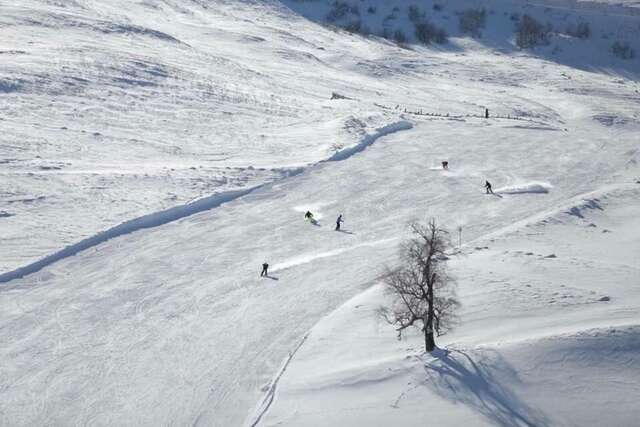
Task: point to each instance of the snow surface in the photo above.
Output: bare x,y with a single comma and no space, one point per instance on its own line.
545,338
144,303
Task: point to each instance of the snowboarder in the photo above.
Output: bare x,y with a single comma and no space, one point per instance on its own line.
487,185
338,222
265,268
445,165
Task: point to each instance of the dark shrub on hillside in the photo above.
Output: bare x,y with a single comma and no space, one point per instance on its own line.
623,50
340,10
390,17
414,14
371,10
530,33
399,36
582,31
427,33
472,21
354,27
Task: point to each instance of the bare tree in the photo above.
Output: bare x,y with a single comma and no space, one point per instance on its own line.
422,291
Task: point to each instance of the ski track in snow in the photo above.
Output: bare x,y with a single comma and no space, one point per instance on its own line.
157,219
304,259
270,394
172,326
573,207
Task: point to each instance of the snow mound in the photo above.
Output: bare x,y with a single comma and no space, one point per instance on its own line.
554,380
530,187
521,384
151,220
345,153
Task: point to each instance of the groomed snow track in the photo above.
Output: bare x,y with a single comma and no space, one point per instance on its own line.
175,213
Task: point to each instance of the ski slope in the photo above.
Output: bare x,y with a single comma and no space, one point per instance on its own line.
547,335
165,320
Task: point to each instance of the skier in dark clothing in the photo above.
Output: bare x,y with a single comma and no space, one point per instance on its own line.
487,185
338,222
265,267
445,165
308,215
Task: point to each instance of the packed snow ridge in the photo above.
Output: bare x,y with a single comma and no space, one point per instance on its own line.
175,213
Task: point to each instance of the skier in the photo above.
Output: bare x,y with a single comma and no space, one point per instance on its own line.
338,222
445,165
265,267
487,185
308,216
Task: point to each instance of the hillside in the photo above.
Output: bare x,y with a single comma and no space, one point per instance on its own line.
173,146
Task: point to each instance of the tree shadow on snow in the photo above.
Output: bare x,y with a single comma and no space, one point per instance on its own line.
480,385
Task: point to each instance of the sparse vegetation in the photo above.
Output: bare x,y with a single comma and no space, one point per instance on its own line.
399,37
355,27
390,17
472,21
581,31
531,33
371,10
422,291
623,50
341,10
427,33
414,14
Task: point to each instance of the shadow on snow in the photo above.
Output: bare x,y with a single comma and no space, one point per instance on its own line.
479,384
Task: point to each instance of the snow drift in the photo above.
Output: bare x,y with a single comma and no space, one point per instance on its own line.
531,187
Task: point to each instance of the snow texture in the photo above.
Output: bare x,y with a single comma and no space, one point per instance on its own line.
154,154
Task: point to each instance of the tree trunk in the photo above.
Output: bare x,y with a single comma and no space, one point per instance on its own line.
429,341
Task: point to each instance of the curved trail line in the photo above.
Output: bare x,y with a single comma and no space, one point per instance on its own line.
175,213
271,391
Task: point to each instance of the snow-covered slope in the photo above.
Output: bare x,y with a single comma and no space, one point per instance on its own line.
548,335
112,110
170,324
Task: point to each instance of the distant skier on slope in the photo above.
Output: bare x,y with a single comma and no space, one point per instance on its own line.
445,165
265,268
308,216
338,222
487,185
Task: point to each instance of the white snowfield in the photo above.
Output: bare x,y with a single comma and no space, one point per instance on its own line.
548,336
131,255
